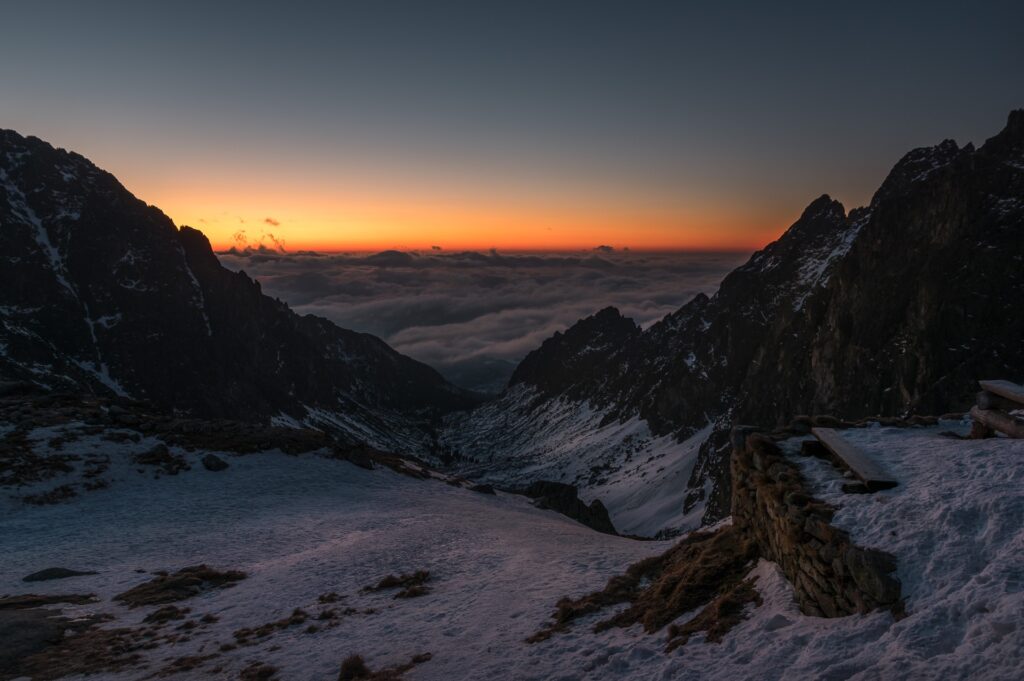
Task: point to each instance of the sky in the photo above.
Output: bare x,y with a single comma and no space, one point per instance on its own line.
513,125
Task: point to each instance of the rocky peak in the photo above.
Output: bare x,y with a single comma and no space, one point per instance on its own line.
1009,142
569,357
916,166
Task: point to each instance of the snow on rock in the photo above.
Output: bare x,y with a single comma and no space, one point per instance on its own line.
640,478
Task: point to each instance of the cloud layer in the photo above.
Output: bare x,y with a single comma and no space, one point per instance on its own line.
473,315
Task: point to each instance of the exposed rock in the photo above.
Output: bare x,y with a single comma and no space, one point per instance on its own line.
483,489
54,573
212,462
564,498
162,457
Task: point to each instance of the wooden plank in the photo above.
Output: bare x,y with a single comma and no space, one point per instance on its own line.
859,463
997,420
1010,391
987,400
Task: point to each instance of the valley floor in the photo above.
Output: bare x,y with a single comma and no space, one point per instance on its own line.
302,527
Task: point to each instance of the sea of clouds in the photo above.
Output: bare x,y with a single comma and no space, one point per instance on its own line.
474,315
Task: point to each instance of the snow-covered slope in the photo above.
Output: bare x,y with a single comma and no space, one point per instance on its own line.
306,526
639,477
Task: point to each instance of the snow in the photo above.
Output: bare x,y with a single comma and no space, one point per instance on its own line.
302,526
199,299
20,207
640,478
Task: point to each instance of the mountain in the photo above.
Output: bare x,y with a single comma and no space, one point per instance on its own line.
101,293
892,309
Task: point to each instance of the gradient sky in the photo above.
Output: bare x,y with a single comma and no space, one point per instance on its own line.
504,124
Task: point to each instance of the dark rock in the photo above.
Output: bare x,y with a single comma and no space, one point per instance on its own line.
25,633
868,569
54,573
483,489
815,449
212,462
564,498
162,457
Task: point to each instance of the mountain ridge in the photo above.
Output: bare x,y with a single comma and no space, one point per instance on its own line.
103,293
826,319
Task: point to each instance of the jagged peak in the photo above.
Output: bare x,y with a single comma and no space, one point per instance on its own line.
917,165
823,207
1011,138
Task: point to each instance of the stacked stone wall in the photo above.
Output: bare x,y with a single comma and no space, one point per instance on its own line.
831,575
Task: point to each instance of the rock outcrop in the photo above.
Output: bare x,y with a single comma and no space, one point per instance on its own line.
564,499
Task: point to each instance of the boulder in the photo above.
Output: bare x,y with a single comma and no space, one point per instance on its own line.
212,462
564,498
54,573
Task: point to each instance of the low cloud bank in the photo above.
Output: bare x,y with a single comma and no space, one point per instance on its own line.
474,315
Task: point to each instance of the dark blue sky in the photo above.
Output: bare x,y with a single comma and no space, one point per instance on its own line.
723,117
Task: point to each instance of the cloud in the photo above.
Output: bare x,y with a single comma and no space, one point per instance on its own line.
474,315
250,245
272,222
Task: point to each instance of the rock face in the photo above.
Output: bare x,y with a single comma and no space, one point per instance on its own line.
100,293
896,308
564,499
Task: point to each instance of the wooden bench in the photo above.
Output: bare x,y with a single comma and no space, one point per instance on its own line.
859,463
1005,389
992,413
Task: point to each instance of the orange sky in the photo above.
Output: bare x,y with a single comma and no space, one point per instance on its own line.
318,218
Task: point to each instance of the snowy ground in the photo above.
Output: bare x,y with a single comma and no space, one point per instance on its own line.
304,526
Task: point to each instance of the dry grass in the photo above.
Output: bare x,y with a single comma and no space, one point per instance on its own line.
22,601
354,667
53,496
244,636
166,614
92,650
720,616
704,569
258,671
411,585
185,583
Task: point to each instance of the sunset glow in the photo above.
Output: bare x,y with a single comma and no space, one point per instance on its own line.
306,220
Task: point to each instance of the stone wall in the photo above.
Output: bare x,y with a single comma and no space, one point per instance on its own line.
831,576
